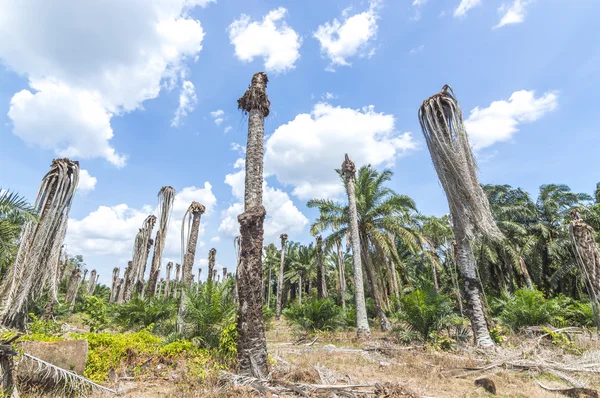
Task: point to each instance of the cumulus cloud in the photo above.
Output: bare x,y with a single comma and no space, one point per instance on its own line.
500,121
272,39
513,14
465,6
187,102
111,230
340,41
87,183
282,214
101,61
305,152
218,116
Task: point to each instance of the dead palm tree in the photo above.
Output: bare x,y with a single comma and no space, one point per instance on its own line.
73,286
362,323
188,245
168,281
252,343
587,255
212,253
92,282
35,268
113,286
442,124
134,275
166,197
283,238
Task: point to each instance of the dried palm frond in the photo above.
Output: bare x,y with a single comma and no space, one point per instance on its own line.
35,268
442,124
61,379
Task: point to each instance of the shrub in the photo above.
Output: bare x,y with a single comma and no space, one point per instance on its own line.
315,315
523,308
95,309
139,313
425,312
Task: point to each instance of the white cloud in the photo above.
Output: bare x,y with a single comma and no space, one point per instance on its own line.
328,96
101,61
465,6
87,183
417,49
342,40
218,116
215,239
282,215
306,151
227,129
500,121
418,3
513,14
187,102
272,39
111,230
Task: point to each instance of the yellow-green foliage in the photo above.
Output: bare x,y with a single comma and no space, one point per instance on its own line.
108,350
179,348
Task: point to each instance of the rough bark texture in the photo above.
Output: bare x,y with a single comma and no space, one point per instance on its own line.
321,282
195,210
212,253
384,323
129,283
252,343
119,293
73,288
168,282
224,273
362,322
113,286
466,262
155,268
92,282
300,288
280,278
341,275
161,285
587,254
395,287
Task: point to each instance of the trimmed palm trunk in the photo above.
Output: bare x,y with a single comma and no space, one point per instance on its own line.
376,292
161,285
442,125
35,269
113,286
341,275
300,287
73,286
198,284
192,215
212,253
587,254
224,273
166,197
134,275
119,294
362,322
321,282
91,282
252,343
177,278
168,281
95,284
278,306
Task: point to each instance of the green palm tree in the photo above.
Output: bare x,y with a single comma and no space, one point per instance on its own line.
382,215
15,211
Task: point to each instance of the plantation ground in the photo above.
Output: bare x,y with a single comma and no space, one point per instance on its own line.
337,358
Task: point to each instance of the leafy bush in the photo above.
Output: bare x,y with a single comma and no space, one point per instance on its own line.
209,318
139,313
315,315
95,309
530,308
425,312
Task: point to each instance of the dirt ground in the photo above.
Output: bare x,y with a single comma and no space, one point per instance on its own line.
515,369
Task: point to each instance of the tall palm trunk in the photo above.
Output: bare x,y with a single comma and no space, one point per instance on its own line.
280,278
168,281
394,278
199,282
362,322
35,268
134,275
166,197
587,254
300,287
224,273
321,281
341,275
161,286
177,279
193,215
120,285
252,343
447,140
113,286
76,285
91,282
376,292
212,253
73,285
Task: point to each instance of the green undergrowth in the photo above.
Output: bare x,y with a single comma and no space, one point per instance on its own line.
137,353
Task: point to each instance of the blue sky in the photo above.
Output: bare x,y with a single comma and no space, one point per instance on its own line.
345,76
